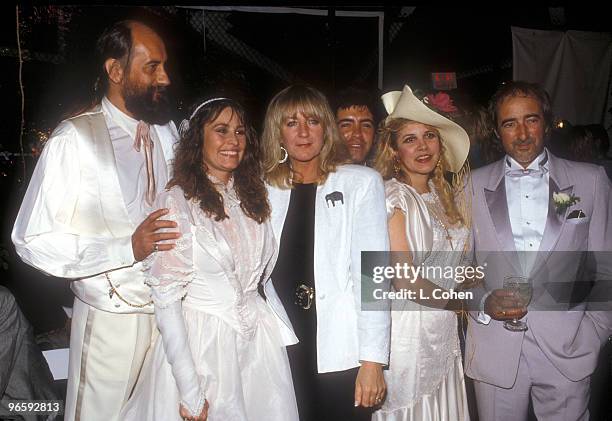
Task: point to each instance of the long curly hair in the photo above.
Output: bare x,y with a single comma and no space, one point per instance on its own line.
190,168
287,103
386,164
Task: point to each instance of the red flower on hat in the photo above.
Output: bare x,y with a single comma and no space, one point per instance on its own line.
441,102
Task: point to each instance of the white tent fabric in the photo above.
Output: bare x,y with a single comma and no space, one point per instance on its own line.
574,67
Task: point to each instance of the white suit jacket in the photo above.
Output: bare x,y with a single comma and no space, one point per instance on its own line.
350,217
73,222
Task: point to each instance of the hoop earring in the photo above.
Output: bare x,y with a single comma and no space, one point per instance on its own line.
284,158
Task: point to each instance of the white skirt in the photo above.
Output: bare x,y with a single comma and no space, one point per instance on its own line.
246,379
447,403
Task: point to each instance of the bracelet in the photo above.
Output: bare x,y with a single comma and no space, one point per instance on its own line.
113,291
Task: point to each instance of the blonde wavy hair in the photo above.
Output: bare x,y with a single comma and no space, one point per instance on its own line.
452,195
286,104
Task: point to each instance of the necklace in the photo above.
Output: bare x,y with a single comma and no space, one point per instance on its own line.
434,212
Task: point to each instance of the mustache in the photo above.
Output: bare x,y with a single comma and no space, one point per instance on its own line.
524,142
162,91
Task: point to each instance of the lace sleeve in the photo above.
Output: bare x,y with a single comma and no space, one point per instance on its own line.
169,272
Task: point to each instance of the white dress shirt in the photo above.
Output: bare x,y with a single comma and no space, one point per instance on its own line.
131,168
527,199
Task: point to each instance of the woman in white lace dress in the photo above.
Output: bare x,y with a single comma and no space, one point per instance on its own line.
221,354
417,146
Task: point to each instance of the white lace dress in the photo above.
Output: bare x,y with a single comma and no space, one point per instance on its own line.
425,377
219,338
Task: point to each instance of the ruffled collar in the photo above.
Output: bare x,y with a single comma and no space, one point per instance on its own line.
227,190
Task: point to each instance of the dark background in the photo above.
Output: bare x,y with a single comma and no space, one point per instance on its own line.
249,56
330,52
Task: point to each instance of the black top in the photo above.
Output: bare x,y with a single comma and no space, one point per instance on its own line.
295,263
320,397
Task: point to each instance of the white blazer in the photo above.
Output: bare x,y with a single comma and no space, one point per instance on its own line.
350,217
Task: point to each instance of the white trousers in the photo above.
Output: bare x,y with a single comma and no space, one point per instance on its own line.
107,351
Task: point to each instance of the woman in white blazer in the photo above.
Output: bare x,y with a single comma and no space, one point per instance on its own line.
324,214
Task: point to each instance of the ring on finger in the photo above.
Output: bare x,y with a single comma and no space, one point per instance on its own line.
155,247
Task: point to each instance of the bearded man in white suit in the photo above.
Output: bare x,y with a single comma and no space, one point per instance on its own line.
87,216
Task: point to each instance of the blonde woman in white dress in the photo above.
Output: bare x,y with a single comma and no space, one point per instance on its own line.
417,146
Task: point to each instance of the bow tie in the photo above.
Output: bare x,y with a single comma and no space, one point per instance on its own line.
143,140
522,172
511,172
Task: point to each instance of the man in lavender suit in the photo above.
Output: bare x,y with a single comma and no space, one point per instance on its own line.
520,229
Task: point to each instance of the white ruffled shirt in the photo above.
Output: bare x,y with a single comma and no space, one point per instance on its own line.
43,242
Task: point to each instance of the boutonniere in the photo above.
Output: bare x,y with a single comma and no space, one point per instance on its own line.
563,201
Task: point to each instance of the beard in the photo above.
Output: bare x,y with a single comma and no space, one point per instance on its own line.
149,104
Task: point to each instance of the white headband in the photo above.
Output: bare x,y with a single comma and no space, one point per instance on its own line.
184,126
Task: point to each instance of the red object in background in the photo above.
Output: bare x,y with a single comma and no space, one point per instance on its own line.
444,81
441,101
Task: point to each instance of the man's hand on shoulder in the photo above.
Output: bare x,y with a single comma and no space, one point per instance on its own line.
146,238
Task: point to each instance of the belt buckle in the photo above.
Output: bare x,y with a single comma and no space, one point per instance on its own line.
304,296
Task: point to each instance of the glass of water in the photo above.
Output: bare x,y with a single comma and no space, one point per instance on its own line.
523,290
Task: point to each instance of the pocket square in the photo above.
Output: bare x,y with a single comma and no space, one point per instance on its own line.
578,213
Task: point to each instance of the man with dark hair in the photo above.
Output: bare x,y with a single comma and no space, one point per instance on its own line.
355,111
87,216
548,221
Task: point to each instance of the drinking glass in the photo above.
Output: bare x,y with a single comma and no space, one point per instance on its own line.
523,290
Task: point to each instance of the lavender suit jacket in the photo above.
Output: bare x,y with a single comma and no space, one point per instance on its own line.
572,335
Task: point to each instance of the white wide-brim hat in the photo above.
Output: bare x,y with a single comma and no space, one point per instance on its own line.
403,104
